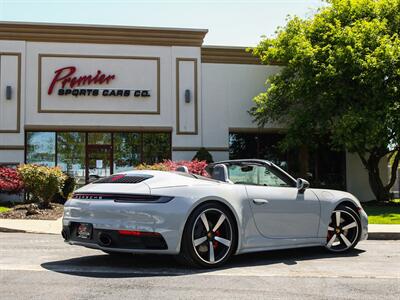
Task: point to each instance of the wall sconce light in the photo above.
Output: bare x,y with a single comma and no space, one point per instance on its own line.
8,92
187,96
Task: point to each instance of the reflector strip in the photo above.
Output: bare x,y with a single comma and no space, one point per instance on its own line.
138,233
128,198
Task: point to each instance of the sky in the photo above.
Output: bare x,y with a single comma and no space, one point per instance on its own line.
230,22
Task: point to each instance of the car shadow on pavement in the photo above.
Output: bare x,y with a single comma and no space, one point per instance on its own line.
128,265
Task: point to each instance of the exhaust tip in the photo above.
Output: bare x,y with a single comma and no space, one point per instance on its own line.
105,239
65,234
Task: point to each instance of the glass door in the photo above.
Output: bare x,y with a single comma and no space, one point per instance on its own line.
98,156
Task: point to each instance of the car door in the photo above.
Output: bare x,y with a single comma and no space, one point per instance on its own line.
279,209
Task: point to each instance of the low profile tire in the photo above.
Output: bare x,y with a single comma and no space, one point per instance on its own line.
209,238
344,230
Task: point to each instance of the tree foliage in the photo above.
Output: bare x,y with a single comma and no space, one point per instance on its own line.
203,154
340,78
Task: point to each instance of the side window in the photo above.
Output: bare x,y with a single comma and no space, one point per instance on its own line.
269,178
242,174
257,175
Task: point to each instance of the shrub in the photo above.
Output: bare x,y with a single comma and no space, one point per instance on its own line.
203,154
42,182
156,167
66,191
10,181
195,166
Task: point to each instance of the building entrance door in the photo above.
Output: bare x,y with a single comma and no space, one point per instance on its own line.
98,163
98,156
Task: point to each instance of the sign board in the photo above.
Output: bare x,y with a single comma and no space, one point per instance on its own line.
99,84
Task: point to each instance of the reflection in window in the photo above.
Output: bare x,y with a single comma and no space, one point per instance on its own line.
320,165
256,175
99,138
156,147
262,146
40,148
71,153
127,148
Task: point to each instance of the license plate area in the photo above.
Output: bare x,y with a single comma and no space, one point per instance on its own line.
84,230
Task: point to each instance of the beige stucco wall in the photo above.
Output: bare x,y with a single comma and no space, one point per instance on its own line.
357,177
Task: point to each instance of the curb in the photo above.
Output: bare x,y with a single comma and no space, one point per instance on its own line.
11,230
383,235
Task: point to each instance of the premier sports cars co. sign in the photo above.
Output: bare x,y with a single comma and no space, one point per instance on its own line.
98,84
73,84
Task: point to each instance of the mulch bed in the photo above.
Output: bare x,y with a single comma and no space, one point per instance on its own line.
35,213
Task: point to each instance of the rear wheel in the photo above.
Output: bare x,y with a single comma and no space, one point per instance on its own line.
344,230
210,236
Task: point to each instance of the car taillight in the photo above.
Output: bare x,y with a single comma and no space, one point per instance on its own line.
138,233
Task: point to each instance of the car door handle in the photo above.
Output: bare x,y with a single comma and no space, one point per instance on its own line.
260,201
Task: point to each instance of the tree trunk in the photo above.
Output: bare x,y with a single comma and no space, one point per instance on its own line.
380,190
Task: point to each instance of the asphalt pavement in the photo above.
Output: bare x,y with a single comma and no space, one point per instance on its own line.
42,266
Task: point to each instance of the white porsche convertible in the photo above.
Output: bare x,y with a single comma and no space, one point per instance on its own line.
246,206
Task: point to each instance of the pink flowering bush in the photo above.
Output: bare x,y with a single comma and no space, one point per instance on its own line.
10,180
194,166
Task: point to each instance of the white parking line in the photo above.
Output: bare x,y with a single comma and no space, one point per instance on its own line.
157,272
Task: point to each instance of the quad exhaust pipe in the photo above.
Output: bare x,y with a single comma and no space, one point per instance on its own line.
105,239
65,234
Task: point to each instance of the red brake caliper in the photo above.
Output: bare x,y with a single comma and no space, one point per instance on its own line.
215,243
329,235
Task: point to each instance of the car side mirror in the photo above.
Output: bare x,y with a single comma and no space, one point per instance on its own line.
302,184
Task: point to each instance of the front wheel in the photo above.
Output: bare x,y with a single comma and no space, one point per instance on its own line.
344,230
210,236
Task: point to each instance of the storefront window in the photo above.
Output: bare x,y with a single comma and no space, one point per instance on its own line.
99,138
156,147
91,155
41,148
127,150
71,154
262,146
321,166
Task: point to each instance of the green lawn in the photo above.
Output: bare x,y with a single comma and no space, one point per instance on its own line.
383,214
4,209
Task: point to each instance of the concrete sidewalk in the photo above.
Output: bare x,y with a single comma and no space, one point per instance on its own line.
384,232
375,231
31,226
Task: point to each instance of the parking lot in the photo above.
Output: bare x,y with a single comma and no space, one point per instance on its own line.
41,266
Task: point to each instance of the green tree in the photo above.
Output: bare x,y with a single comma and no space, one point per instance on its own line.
203,154
340,78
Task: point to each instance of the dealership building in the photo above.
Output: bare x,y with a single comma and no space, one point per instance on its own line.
96,100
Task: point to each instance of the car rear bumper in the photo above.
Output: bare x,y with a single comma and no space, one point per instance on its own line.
114,240
107,216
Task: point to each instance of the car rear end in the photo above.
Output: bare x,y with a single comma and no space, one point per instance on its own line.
120,214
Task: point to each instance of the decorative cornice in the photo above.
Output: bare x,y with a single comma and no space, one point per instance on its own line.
74,33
